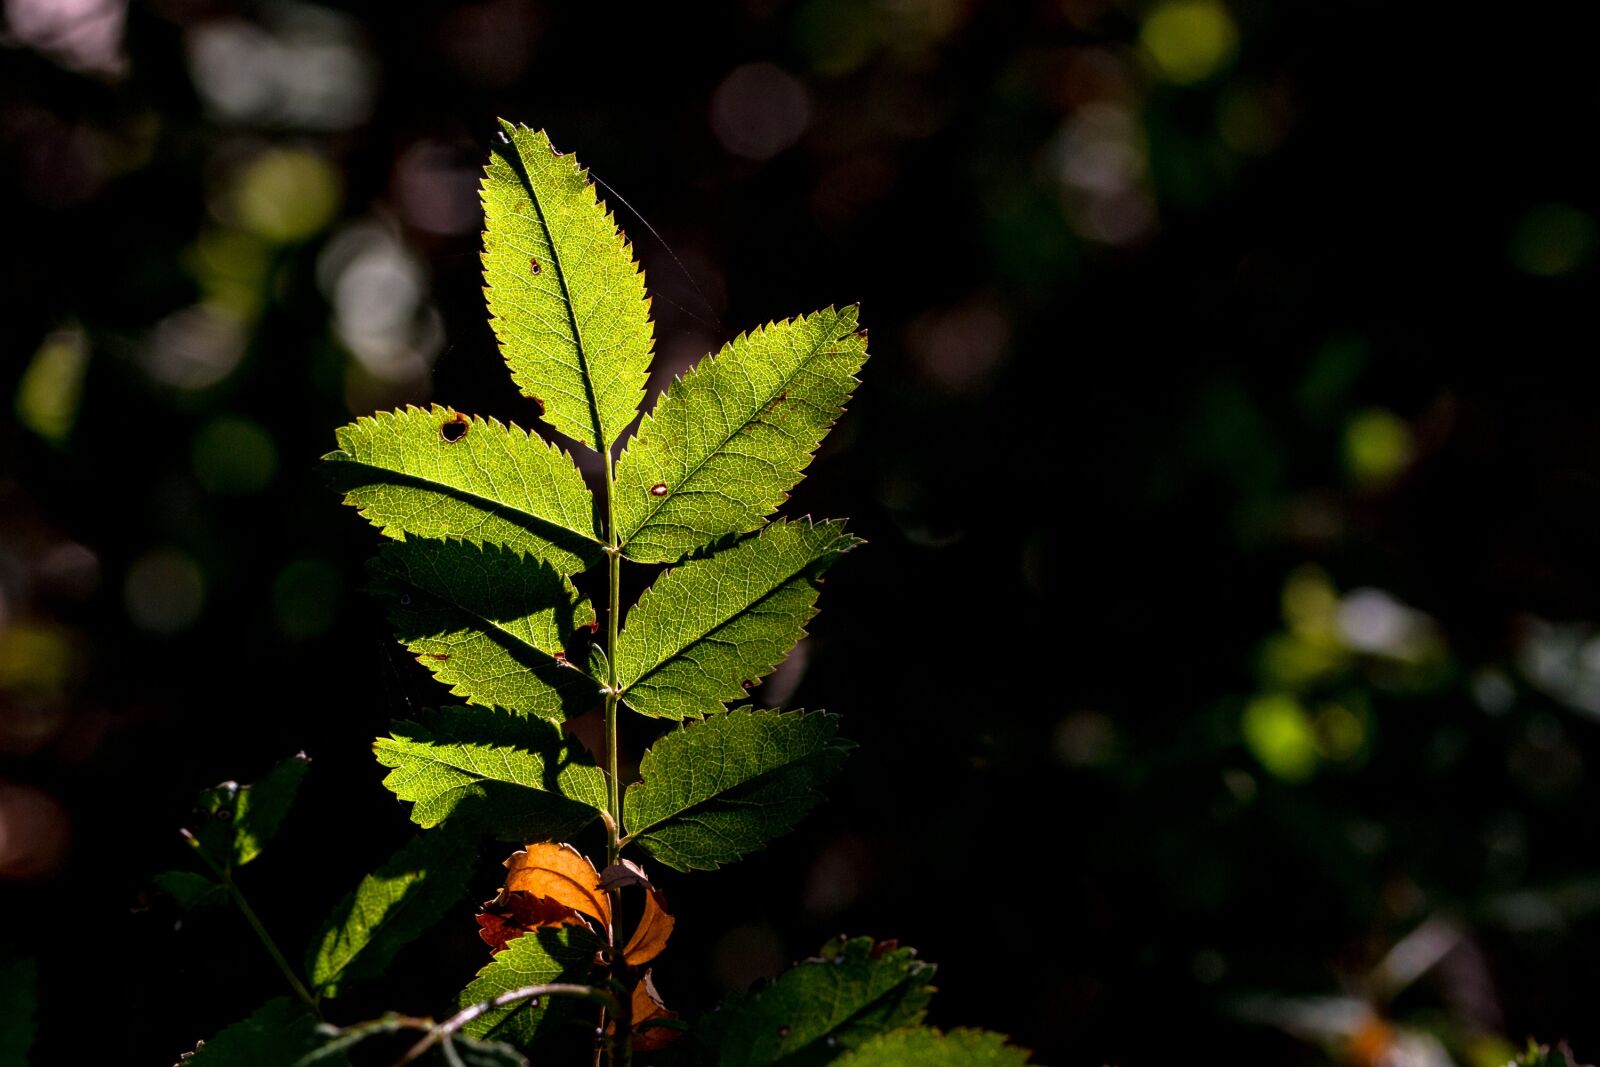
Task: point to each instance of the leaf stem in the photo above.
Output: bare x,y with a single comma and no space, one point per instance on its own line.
621,1044
444,1030
254,920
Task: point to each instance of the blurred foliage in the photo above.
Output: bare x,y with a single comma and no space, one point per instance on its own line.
1281,308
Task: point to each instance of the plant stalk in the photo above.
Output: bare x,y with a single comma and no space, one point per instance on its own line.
621,1045
254,920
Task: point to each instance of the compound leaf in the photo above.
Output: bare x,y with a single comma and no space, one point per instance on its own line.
438,473
390,908
729,439
710,628
566,299
717,790
821,1007
489,622
518,779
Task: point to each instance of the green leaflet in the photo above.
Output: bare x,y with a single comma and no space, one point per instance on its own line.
437,474
708,628
190,890
820,1008
19,1001
279,1032
930,1048
549,954
390,908
566,299
492,624
728,440
720,789
519,779
236,821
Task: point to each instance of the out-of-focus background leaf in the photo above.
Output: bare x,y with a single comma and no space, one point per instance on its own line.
1228,461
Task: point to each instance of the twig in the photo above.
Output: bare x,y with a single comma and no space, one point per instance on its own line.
442,1031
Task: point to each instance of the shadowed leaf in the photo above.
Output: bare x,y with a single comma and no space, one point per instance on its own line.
280,1032
930,1048
491,624
518,779
234,822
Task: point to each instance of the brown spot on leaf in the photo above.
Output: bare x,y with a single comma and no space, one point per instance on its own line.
880,947
454,428
533,265
439,656
659,489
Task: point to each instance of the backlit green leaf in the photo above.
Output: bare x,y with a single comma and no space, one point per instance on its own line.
550,954
489,622
709,629
720,789
390,908
728,440
930,1048
566,299
519,779
234,822
821,1007
437,473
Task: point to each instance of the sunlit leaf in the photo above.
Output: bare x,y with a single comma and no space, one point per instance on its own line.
493,625
717,790
551,954
655,927
519,779
390,908
709,629
560,873
930,1048
727,441
234,822
835,1002
437,474
566,299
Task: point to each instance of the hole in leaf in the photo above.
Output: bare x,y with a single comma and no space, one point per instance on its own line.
533,265
454,429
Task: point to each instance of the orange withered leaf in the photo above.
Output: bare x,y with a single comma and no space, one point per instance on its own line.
513,914
560,873
655,926
647,1008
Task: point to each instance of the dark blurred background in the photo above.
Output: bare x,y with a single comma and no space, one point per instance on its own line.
1225,660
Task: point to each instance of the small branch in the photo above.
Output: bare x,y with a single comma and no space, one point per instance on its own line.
442,1031
250,917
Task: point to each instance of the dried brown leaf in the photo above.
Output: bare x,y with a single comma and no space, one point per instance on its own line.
560,873
650,936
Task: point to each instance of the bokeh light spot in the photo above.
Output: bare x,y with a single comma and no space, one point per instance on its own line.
1552,240
305,598
52,385
1377,448
286,195
1280,734
164,591
1189,40
759,110
234,455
